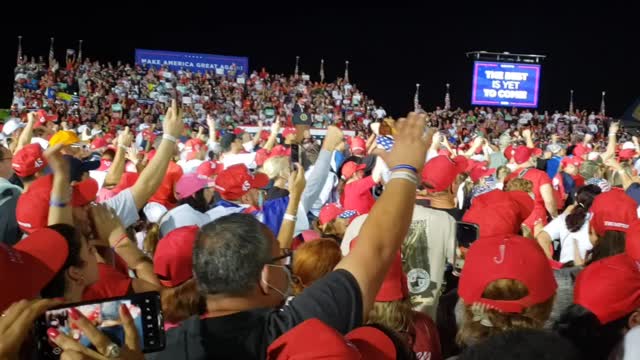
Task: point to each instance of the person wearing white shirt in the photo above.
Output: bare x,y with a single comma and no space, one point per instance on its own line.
571,229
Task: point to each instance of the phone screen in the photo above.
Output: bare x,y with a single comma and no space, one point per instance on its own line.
145,310
295,154
466,233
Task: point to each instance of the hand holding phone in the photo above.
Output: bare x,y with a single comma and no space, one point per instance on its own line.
133,323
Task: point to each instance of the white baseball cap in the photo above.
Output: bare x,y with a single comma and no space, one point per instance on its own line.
628,145
11,125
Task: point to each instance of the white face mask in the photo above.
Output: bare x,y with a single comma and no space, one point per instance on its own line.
289,291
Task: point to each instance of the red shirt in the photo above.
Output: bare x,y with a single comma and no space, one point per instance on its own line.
111,283
538,178
164,195
357,195
426,343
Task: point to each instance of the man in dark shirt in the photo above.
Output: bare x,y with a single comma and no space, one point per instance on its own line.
239,269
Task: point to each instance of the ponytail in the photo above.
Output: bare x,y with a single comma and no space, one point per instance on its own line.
584,198
152,237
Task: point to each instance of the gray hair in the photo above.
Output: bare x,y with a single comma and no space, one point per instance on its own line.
229,254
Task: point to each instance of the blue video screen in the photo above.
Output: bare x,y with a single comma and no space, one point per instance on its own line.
505,84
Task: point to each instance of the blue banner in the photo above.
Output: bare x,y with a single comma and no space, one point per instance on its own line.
194,62
505,84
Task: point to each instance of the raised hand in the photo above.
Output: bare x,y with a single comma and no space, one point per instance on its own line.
173,124
410,142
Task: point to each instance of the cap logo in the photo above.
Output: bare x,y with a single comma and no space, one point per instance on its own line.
246,186
39,162
500,258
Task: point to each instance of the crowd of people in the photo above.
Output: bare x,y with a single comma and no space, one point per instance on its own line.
486,234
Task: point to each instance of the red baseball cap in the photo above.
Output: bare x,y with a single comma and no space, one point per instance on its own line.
580,150
209,169
235,181
172,261
32,210
264,135
480,172
362,343
333,211
42,118
357,145
441,171
506,257
613,210
288,131
394,286
571,160
522,154
350,168
28,160
609,288
105,164
627,154
632,246
98,143
192,147
30,264
508,210
508,152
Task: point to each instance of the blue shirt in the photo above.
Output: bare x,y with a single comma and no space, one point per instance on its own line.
634,192
553,165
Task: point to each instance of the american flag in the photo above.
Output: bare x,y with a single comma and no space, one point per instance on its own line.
348,214
447,99
321,70
386,142
416,99
602,103
51,54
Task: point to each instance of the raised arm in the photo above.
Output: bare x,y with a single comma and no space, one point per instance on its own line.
388,222
296,187
256,137
27,133
271,142
321,169
546,191
117,166
152,176
612,143
59,207
526,134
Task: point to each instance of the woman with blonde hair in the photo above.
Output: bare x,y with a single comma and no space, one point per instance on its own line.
278,169
312,261
506,284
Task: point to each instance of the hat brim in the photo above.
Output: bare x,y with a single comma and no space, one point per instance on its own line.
260,180
372,343
84,192
44,252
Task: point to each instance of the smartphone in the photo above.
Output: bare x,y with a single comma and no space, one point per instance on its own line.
295,155
466,233
145,309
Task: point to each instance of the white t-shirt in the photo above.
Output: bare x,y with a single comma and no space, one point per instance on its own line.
429,245
557,230
183,215
125,207
190,166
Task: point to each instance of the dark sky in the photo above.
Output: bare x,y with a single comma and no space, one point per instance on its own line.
588,50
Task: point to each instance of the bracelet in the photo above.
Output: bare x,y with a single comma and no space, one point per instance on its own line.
290,217
405,167
170,138
405,176
121,239
59,204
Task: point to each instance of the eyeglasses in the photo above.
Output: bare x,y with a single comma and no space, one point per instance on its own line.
285,253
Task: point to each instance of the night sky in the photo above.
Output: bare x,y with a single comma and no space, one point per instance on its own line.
588,50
